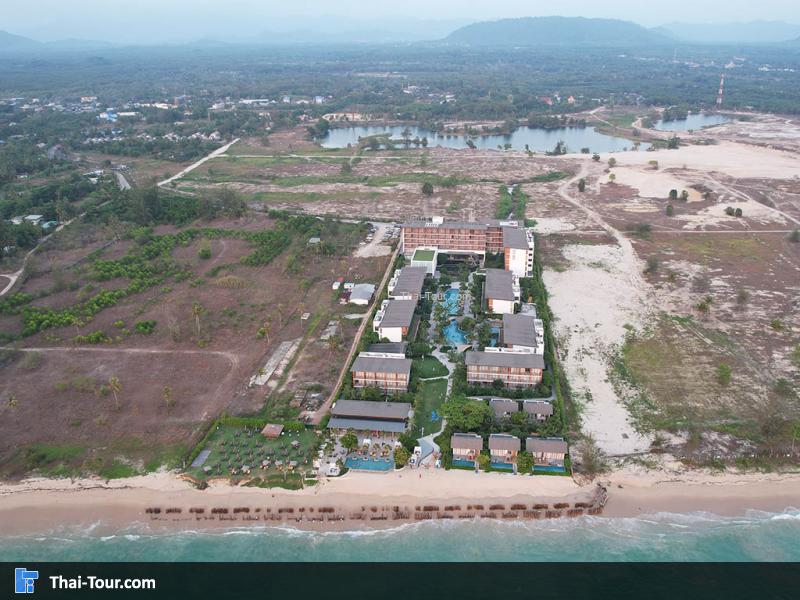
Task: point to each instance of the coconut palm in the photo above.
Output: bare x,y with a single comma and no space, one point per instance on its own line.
115,386
196,311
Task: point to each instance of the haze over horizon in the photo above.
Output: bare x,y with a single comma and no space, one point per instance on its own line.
151,21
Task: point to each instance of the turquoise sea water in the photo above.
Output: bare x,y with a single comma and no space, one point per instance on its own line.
757,536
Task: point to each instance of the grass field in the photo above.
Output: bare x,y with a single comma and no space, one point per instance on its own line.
431,397
429,366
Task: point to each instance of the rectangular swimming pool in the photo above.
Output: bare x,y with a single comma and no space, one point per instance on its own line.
369,464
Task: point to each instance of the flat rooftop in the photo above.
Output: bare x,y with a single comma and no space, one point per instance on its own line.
373,364
365,409
426,255
525,360
514,237
519,330
499,285
410,280
398,313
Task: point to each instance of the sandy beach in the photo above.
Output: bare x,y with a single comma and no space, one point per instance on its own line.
365,500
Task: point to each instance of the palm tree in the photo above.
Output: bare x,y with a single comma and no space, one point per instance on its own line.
196,310
166,394
334,343
280,308
115,386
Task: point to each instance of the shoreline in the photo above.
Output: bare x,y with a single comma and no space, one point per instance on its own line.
369,502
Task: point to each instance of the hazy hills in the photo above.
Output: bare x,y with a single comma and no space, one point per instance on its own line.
756,32
550,31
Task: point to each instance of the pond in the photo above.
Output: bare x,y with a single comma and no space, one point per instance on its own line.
537,139
692,122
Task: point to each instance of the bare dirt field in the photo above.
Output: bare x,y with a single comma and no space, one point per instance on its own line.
204,347
385,185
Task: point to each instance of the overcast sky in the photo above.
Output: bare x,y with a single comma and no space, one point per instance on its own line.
162,20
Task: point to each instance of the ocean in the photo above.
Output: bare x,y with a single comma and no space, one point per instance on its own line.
757,536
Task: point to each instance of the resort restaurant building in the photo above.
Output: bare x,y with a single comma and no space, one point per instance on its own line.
385,370
514,369
466,448
376,418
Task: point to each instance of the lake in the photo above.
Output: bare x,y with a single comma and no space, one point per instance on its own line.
692,122
537,139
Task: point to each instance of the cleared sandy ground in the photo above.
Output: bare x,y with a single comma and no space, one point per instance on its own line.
593,300
731,158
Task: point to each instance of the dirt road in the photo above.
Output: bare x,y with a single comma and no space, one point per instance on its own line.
193,166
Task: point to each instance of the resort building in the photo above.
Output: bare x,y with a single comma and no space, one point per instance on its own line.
384,370
547,452
366,416
389,348
406,283
393,319
425,258
538,409
518,250
503,407
503,450
523,332
470,237
515,369
466,448
501,291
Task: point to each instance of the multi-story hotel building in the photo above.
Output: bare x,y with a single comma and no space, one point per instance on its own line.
473,237
515,369
387,371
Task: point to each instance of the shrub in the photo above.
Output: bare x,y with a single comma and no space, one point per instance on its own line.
670,210
204,252
652,265
427,188
723,374
794,237
145,327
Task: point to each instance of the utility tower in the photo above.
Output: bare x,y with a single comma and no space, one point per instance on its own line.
721,90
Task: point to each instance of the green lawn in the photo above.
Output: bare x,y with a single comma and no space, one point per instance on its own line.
431,397
429,366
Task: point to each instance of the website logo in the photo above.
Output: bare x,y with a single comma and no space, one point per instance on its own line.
24,580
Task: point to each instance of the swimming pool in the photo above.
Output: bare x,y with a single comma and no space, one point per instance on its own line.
454,335
451,303
549,469
369,464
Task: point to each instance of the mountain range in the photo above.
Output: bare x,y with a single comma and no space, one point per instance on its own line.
526,31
